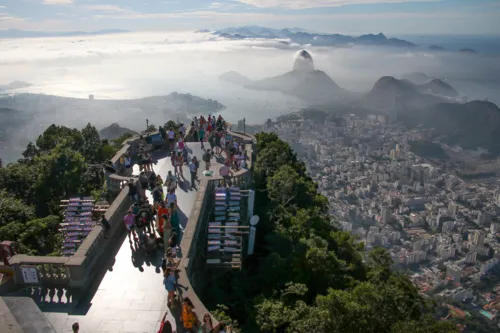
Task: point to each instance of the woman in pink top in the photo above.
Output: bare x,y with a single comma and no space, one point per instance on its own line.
180,143
129,221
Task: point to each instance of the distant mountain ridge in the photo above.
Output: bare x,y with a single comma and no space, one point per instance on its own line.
303,37
391,94
16,33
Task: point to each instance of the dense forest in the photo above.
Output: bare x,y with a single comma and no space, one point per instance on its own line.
61,163
306,275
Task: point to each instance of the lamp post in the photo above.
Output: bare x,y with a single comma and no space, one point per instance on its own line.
251,237
147,126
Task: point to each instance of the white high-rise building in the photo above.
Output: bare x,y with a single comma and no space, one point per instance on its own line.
452,210
471,257
386,215
477,238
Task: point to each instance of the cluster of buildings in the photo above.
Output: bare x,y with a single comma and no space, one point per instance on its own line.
443,230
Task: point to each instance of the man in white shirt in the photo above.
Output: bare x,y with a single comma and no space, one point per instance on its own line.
192,171
171,137
182,130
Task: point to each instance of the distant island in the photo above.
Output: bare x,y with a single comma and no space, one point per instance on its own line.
303,37
16,33
467,51
436,48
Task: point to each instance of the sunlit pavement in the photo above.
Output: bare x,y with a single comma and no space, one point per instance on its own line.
131,297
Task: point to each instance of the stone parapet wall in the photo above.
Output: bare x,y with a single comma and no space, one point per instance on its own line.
77,271
193,245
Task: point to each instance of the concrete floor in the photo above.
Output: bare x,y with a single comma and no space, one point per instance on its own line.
131,296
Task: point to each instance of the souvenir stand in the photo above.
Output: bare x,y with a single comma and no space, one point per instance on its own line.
224,238
79,220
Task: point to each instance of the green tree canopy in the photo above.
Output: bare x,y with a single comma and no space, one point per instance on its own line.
63,162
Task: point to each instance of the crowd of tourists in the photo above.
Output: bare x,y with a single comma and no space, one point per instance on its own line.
156,224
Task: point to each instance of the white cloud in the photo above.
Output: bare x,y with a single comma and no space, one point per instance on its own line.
58,2
2,7
223,5
6,18
253,17
304,4
106,8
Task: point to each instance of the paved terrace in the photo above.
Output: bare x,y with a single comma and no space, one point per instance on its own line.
128,294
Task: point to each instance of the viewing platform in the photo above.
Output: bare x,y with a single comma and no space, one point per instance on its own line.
105,285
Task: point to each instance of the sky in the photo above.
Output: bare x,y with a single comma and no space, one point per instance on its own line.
396,17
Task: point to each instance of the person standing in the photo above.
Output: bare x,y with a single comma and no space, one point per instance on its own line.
201,135
226,173
171,198
105,224
192,171
169,281
207,326
167,231
188,318
180,163
162,210
175,222
171,138
194,130
171,182
206,158
165,326
129,221
197,165
182,130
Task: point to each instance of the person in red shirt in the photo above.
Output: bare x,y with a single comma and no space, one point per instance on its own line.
162,210
165,326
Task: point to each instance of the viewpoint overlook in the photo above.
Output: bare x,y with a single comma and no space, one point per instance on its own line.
172,167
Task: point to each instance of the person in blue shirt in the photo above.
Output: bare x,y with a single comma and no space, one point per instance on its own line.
169,281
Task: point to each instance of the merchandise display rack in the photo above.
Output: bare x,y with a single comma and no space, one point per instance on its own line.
79,220
224,237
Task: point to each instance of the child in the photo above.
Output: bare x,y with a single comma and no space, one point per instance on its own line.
170,281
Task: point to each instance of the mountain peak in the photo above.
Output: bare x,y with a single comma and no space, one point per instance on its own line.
303,61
